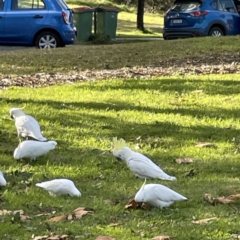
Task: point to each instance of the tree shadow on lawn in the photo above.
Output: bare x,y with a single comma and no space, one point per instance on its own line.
113,126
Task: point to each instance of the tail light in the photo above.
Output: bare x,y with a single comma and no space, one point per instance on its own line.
199,13
65,17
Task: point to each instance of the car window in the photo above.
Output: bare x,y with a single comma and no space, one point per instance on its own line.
27,4
185,6
2,4
63,4
226,6
214,4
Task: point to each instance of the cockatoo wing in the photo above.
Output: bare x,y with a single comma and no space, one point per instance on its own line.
54,186
28,126
145,168
164,193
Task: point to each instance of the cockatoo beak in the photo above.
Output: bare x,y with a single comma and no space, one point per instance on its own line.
11,116
118,158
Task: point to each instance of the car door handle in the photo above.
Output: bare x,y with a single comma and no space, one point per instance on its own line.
38,16
222,16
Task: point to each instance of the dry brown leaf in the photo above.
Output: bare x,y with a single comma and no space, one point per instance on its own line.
225,200
131,205
81,211
134,205
205,144
40,237
105,238
24,218
52,237
58,237
205,220
4,211
183,160
77,213
42,214
234,197
162,238
58,218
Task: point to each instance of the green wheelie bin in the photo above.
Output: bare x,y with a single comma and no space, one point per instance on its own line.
106,21
83,19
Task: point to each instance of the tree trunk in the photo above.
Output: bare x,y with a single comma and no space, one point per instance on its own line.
140,13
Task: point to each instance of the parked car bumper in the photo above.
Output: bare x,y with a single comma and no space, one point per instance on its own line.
69,37
183,33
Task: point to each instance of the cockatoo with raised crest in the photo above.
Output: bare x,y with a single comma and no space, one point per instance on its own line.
58,187
139,164
33,149
157,195
26,125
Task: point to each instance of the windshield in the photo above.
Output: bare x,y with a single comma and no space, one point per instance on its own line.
185,6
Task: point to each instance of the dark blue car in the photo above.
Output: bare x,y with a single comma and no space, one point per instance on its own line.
43,23
193,18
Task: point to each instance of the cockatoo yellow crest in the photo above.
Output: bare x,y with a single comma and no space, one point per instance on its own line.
118,144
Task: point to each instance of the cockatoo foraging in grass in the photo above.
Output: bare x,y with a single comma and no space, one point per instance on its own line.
3,181
139,164
26,125
157,195
33,149
59,187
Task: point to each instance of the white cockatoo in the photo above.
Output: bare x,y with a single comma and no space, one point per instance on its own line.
139,164
26,125
33,149
59,187
157,195
3,181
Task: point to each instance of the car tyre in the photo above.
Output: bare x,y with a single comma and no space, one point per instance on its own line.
47,40
216,32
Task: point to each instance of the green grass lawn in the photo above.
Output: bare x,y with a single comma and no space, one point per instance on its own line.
162,118
117,55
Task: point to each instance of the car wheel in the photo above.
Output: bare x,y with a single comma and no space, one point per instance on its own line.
47,40
216,32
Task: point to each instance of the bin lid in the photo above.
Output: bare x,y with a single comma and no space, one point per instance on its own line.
107,9
83,9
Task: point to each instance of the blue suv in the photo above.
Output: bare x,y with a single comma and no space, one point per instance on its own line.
192,18
43,23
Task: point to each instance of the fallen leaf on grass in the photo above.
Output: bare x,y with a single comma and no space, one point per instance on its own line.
162,238
134,205
18,215
59,218
77,213
105,238
183,160
81,211
225,200
205,144
205,220
51,237
235,235
4,212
